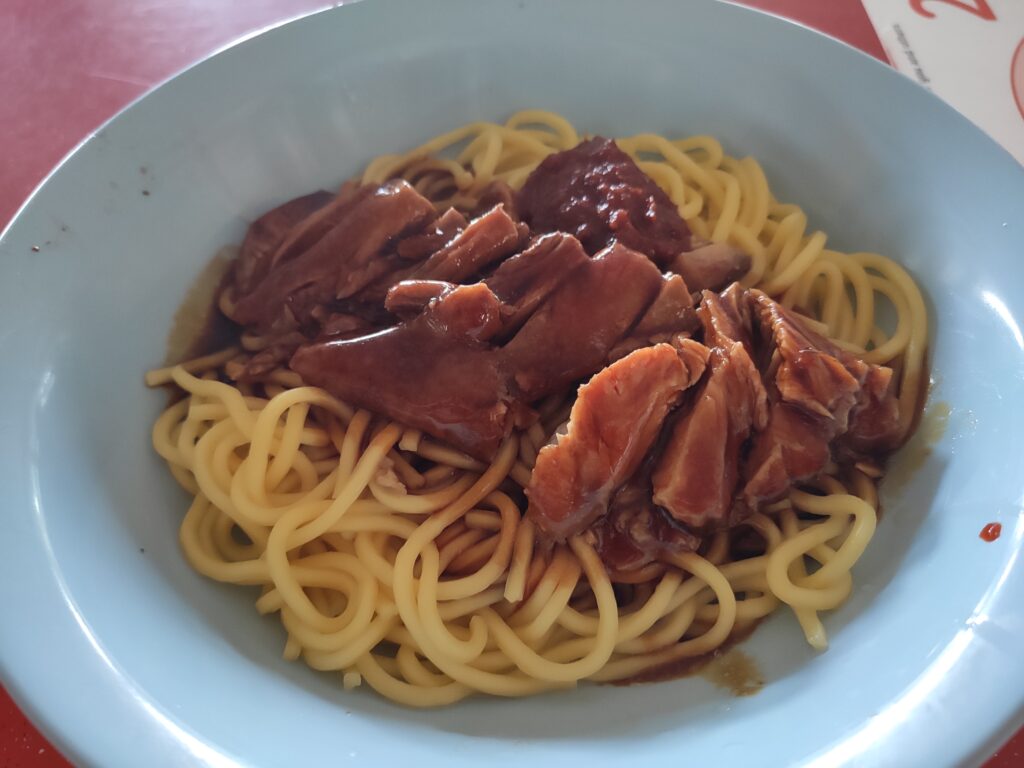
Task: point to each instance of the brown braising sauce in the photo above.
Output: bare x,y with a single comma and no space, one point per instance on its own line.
727,666
199,327
736,672
927,429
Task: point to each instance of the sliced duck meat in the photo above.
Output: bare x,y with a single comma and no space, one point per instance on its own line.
808,370
571,334
671,311
485,240
433,372
613,423
474,314
670,317
266,235
636,532
410,297
473,250
342,261
436,236
875,425
598,194
696,476
793,447
524,281
310,230
574,324
711,266
726,318
818,392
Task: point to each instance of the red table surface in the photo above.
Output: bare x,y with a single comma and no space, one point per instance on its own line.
67,66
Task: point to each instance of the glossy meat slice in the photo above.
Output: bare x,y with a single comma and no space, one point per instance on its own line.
671,312
341,261
875,420
470,312
817,392
669,317
472,250
410,297
726,318
434,372
711,266
614,421
808,369
571,333
636,532
524,281
793,447
488,238
695,478
596,193
576,319
267,234
310,230
305,230
437,235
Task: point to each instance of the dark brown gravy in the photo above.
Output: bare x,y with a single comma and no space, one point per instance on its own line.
935,422
931,427
727,667
198,327
736,672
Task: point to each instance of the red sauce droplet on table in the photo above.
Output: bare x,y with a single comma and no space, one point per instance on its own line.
991,532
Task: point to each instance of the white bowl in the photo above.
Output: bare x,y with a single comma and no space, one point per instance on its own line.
124,656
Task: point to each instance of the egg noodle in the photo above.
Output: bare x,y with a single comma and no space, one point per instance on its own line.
426,584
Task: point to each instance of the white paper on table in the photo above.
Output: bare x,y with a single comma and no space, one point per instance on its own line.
969,52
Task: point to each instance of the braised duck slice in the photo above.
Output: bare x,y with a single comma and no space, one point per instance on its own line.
809,370
409,298
711,266
636,532
695,478
343,260
670,317
875,425
524,281
437,235
266,235
567,338
613,423
571,334
817,392
434,372
485,240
